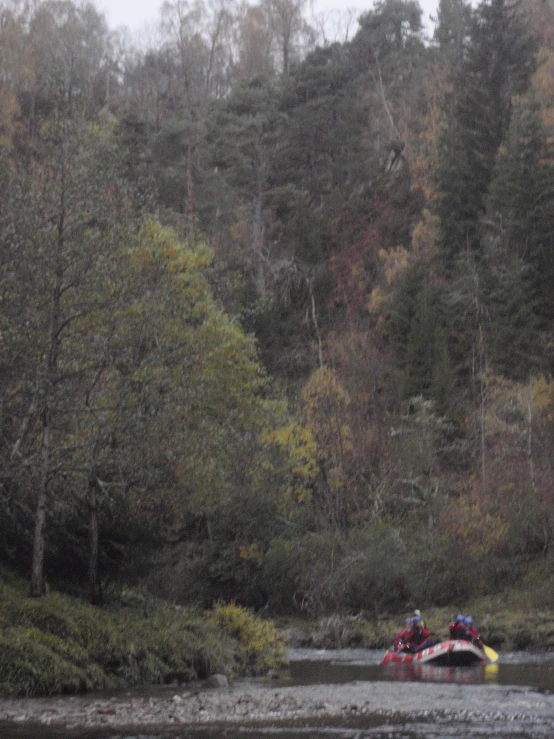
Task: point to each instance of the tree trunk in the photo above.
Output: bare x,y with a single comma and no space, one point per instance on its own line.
37,569
94,591
257,237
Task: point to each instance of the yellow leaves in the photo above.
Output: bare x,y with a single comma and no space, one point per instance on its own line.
301,463
317,449
259,641
325,402
158,244
300,446
323,387
252,553
377,300
397,262
542,394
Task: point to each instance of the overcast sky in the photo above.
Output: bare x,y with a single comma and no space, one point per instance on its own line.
136,14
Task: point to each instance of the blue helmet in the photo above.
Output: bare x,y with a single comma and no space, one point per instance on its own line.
468,620
408,620
459,617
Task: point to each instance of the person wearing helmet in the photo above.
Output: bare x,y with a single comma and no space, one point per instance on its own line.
456,628
418,613
471,634
400,638
418,637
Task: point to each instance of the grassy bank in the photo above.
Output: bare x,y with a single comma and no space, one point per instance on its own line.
59,644
507,623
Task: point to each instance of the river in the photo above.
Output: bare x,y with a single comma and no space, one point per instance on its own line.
350,696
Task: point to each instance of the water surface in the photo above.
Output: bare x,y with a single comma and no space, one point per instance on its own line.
518,674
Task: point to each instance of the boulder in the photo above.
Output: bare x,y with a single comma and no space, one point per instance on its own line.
216,681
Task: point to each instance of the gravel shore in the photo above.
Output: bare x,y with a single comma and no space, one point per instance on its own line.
245,703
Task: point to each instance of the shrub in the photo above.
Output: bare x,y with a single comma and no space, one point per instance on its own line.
34,663
260,644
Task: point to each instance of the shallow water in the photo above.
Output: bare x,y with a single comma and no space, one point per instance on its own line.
520,675
346,665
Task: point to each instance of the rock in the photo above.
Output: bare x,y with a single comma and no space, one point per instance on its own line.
216,681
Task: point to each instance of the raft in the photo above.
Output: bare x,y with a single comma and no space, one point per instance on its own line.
451,653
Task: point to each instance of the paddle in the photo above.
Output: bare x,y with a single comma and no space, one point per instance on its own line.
491,654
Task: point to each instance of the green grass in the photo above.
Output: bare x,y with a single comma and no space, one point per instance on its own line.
59,644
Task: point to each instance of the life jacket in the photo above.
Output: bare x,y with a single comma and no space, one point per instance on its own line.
417,636
400,638
457,630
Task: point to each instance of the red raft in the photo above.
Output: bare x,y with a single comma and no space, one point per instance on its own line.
452,653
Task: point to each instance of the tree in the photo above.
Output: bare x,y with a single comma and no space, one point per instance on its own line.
255,38
16,71
452,29
520,207
241,136
515,343
477,120
70,48
291,31
63,224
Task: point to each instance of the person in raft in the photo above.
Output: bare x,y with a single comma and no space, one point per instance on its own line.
471,633
418,613
400,638
418,637
457,629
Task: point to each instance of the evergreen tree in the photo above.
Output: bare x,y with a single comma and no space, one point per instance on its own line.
241,135
452,29
521,205
427,370
515,339
498,66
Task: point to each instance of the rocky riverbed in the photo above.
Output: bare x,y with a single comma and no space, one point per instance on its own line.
247,703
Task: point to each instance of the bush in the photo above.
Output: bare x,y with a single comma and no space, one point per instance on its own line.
34,663
261,646
60,644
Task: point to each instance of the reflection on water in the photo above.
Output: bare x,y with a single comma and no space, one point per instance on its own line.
533,670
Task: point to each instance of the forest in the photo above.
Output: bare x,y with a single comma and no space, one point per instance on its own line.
276,303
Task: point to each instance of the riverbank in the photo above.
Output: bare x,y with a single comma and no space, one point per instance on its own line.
58,644
508,622
255,704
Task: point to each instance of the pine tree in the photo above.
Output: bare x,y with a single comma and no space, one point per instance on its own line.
427,371
515,340
452,29
498,65
521,205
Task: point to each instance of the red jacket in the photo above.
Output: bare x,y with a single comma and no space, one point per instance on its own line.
416,637
473,636
400,638
457,630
